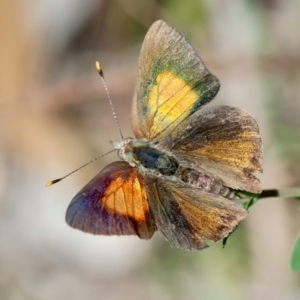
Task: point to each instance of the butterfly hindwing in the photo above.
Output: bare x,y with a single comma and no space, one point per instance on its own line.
187,216
114,202
172,83
225,142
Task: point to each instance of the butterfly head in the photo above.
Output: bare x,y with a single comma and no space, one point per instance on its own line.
126,149
124,146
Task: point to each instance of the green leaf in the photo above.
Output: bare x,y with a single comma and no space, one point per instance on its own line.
254,198
295,258
224,241
251,202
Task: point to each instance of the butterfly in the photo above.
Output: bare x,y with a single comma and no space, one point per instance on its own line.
180,173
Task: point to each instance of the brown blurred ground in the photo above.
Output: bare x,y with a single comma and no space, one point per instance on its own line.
54,116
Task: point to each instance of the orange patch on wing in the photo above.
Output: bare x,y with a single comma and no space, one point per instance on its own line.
170,102
127,198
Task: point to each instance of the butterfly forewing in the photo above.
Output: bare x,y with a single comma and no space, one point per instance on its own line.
172,83
113,203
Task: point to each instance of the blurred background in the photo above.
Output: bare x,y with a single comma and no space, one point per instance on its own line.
55,116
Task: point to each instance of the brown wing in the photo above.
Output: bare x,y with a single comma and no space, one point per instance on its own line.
187,217
225,142
172,83
114,202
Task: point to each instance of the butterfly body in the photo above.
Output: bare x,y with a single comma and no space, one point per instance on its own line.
179,174
153,161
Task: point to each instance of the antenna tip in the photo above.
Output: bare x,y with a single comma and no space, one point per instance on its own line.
53,182
99,69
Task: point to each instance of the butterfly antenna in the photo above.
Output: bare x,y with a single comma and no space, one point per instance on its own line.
94,159
100,71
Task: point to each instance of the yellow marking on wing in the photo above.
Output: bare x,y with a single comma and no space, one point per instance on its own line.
170,102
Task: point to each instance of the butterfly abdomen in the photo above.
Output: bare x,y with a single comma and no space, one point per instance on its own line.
202,181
